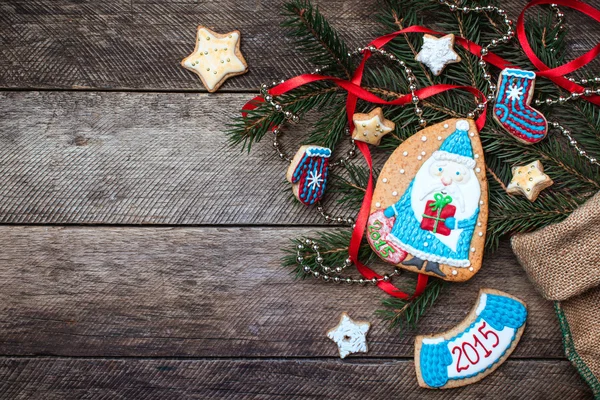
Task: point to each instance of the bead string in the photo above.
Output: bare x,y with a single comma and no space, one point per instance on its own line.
566,133
324,272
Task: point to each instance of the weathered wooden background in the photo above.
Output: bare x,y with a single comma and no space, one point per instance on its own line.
140,255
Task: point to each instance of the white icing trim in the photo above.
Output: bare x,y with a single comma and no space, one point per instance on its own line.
462,125
427,256
444,155
482,302
433,340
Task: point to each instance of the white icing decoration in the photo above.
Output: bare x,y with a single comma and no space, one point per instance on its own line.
479,224
425,244
476,156
454,272
474,342
481,202
436,340
439,138
466,194
477,169
350,336
445,126
436,53
419,158
444,155
480,234
378,204
482,303
423,153
423,138
471,134
402,171
385,180
394,193
472,249
405,153
462,125
471,269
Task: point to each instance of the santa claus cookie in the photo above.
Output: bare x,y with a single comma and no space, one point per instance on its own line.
474,348
433,193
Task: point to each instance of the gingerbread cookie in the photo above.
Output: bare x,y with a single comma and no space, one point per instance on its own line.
437,53
350,336
371,127
474,348
529,180
433,192
512,109
308,173
216,57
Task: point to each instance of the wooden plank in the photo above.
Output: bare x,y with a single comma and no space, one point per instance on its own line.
137,158
123,44
209,292
47,378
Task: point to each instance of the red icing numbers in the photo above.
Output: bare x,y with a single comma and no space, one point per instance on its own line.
475,349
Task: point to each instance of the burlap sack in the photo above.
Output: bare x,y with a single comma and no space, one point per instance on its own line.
563,262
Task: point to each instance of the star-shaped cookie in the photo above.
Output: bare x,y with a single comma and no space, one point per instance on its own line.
529,180
216,57
437,53
350,336
371,127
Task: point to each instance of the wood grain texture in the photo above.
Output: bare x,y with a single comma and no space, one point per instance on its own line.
137,158
209,292
65,379
139,44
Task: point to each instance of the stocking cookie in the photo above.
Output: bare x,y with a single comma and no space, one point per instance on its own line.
474,348
308,173
512,109
216,57
529,180
432,191
350,336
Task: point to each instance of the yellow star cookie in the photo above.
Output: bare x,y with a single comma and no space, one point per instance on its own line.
216,57
371,127
529,180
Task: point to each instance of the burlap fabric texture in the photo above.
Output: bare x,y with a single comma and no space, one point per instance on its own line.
563,262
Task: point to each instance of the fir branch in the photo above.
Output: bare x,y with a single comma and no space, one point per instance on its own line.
315,37
350,186
405,314
333,248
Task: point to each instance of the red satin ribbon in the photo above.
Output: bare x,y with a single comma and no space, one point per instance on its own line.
557,74
355,92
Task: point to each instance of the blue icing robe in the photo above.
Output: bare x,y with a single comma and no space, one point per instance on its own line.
499,312
407,233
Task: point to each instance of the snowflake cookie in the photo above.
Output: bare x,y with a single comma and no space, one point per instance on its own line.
350,336
216,57
437,53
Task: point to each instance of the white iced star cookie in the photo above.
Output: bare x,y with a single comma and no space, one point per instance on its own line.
437,53
350,336
371,127
216,57
529,180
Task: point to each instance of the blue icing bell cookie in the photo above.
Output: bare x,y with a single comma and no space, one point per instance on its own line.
475,347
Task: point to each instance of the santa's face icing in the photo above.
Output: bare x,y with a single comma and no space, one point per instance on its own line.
449,172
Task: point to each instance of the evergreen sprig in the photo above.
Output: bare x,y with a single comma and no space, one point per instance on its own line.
405,314
575,179
314,37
